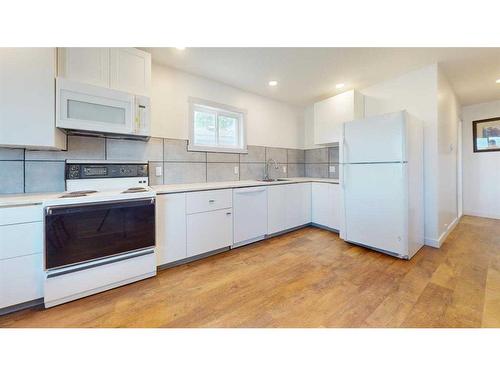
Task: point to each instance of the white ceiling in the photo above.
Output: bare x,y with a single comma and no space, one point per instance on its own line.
305,75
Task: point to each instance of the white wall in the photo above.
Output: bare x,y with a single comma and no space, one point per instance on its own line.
415,92
481,170
269,122
447,148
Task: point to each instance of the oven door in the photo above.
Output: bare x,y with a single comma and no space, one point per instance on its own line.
76,234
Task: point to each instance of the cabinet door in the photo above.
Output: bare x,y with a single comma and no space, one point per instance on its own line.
298,204
131,71
208,231
27,97
321,204
276,208
250,213
170,228
87,65
336,217
21,280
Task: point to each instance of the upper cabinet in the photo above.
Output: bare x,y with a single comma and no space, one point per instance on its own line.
124,69
130,70
27,94
331,113
87,65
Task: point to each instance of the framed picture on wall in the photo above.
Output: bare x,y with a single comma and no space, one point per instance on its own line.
486,134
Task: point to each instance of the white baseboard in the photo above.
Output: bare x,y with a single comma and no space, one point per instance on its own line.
482,214
433,242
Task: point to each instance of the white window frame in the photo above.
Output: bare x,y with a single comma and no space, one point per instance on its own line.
218,109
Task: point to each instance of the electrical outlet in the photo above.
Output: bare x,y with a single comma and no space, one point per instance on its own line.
158,171
236,170
284,169
332,168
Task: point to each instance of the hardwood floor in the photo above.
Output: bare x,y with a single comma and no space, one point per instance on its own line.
307,278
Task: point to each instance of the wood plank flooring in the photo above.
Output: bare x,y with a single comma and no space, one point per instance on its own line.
307,278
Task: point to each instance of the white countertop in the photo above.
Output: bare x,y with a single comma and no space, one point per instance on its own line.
199,186
39,198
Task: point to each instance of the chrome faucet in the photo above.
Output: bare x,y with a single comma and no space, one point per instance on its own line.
266,173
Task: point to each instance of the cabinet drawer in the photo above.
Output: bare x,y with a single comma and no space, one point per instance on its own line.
20,214
21,280
209,200
208,231
21,239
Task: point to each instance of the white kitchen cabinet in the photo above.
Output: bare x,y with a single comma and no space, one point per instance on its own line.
21,279
124,69
86,65
27,94
130,70
326,205
298,207
276,208
249,214
209,231
331,113
170,228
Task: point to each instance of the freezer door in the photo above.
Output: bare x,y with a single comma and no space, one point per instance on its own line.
375,139
374,198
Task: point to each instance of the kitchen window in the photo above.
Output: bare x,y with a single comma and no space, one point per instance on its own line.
216,127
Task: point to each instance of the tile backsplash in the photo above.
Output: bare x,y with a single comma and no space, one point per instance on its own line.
43,171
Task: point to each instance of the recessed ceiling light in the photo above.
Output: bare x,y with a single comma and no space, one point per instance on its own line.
180,48
498,80
273,83
339,85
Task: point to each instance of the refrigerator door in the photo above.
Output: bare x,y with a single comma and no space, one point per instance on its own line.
375,139
375,206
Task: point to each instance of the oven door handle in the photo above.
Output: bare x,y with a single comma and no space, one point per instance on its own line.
83,207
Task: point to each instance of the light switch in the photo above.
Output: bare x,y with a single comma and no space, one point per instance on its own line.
332,168
236,170
284,169
158,171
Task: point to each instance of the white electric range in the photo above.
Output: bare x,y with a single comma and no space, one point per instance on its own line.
100,234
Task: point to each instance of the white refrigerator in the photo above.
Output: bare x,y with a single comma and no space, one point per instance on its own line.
382,180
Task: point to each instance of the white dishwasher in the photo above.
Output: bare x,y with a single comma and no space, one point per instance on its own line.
249,215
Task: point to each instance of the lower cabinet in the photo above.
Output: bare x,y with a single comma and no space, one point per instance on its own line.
21,279
170,228
326,205
288,206
209,231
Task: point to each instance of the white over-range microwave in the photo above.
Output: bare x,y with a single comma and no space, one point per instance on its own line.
84,108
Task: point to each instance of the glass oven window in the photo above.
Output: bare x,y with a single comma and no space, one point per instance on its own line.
76,234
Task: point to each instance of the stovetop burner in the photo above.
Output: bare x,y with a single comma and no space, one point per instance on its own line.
135,190
76,194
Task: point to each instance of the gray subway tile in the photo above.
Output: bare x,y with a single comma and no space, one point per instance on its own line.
11,153
184,173
11,177
153,178
256,154
222,172
295,156
252,171
296,170
279,172
336,173
333,154
317,155
44,176
277,154
127,150
222,157
79,147
317,170
176,150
